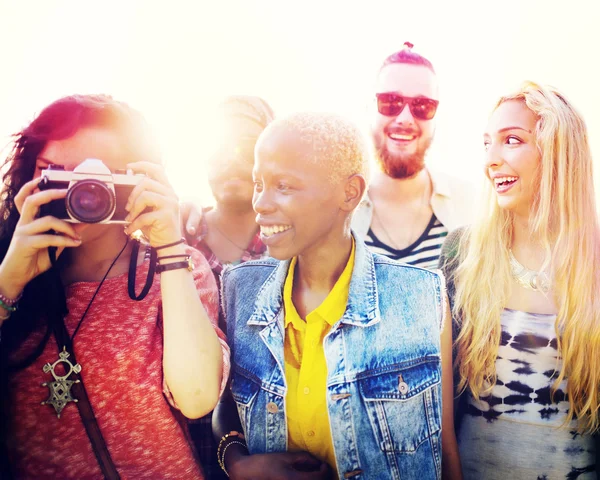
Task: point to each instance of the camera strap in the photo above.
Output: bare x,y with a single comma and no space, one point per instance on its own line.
69,386
83,402
133,270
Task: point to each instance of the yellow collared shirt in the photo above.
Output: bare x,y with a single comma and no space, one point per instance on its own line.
306,369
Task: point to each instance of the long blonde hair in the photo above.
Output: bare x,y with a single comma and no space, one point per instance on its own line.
563,216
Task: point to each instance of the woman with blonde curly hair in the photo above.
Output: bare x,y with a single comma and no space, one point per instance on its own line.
524,284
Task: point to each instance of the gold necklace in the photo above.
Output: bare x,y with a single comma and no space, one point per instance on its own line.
389,237
530,279
226,237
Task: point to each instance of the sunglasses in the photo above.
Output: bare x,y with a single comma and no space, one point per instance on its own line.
392,104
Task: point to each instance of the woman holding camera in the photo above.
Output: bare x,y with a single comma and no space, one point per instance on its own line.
73,337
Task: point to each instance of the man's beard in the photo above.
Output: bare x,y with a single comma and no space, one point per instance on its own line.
401,166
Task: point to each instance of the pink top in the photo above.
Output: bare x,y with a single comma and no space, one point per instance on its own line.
119,347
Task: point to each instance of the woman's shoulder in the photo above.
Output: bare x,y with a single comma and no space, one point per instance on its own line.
452,242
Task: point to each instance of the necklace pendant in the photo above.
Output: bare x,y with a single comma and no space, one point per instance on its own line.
537,281
60,388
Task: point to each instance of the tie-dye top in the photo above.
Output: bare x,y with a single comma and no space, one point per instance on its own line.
515,431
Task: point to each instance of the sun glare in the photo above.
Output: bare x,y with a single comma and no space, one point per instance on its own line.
174,63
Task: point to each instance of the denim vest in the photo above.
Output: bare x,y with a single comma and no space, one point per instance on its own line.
384,394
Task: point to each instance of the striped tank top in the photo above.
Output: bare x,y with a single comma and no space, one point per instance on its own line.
424,252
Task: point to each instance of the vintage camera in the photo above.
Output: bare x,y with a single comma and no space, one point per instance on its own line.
94,193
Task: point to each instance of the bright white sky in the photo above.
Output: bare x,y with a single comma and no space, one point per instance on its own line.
175,60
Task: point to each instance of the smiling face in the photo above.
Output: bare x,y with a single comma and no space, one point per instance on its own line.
512,156
299,208
402,141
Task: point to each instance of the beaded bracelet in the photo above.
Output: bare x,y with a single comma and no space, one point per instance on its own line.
222,459
8,308
10,301
226,437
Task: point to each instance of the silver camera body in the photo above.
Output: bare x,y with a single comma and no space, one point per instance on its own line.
95,194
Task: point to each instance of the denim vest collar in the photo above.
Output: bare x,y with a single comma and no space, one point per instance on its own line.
362,309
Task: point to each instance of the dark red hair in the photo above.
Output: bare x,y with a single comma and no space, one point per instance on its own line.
62,119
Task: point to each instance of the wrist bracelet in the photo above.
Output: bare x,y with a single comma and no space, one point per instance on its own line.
8,308
178,242
222,459
182,255
160,268
231,435
10,301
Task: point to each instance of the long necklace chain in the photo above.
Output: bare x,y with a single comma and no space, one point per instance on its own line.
424,199
226,237
98,289
60,388
530,279
381,224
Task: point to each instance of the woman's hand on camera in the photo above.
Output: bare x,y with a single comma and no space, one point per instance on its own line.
153,206
27,256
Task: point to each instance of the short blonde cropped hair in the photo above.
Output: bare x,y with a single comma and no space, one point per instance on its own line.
332,138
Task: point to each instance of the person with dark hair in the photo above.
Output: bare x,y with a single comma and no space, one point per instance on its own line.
76,334
228,233
339,369
410,208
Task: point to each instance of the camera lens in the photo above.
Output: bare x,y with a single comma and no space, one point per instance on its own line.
90,201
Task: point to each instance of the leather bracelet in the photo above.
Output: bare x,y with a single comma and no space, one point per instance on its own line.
160,268
178,242
182,255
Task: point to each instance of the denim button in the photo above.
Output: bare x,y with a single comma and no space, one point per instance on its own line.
272,407
402,386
